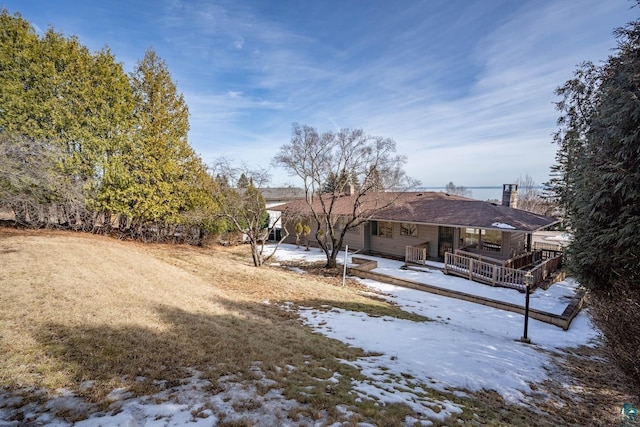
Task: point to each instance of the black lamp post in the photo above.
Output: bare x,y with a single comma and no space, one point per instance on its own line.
528,281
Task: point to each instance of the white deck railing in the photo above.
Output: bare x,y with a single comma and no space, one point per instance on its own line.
416,254
497,275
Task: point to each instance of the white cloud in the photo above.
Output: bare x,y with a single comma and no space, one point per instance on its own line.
466,90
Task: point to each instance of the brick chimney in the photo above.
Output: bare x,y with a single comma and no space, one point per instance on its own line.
510,195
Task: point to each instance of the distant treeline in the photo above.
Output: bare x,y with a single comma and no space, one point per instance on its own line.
84,145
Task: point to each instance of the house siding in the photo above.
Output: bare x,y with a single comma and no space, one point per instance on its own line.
514,244
396,245
354,239
429,233
290,226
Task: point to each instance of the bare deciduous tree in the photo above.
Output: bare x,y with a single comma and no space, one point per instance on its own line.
451,188
31,184
370,163
530,197
245,209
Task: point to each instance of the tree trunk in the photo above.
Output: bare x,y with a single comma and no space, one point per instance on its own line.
62,215
107,221
331,259
45,214
72,214
86,219
255,253
33,211
20,213
123,222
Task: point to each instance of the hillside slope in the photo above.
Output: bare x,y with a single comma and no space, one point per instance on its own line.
95,327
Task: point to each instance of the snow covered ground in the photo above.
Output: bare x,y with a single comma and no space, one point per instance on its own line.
466,347
553,300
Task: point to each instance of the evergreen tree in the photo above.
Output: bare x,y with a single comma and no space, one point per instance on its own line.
243,181
336,182
120,142
56,92
18,55
578,104
598,166
159,161
596,179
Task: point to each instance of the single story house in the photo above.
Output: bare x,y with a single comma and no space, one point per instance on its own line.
445,222
436,223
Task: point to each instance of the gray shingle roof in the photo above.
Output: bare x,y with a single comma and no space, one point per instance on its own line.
435,208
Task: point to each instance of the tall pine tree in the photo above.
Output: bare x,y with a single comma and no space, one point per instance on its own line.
598,170
160,163
54,91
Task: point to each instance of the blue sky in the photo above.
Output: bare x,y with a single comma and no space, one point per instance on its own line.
464,87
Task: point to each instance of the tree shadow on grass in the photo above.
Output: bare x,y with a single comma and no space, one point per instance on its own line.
93,360
144,359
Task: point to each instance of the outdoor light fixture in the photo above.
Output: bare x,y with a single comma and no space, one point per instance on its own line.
528,282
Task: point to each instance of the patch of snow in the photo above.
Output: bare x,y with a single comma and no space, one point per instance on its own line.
465,347
191,403
118,394
503,225
562,237
553,300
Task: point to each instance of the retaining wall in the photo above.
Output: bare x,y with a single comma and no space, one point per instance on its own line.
364,267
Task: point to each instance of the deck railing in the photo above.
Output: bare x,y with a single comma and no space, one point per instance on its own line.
549,250
497,275
479,257
416,254
519,261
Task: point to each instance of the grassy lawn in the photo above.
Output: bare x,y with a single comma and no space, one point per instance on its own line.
92,314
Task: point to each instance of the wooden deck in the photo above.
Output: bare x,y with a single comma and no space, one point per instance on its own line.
510,273
471,267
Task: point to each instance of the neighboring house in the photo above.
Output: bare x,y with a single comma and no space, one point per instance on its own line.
435,222
277,196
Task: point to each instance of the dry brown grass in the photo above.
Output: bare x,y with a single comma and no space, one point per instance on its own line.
78,307
591,389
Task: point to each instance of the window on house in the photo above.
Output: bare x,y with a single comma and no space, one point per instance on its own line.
470,237
487,240
382,229
408,229
492,240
